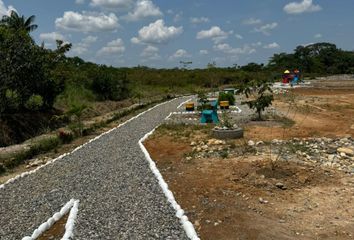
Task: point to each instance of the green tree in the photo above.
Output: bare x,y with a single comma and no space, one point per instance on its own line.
261,96
17,22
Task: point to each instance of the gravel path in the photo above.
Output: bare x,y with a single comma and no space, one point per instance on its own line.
119,196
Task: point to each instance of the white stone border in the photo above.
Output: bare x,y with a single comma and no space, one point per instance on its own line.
187,225
73,206
179,106
79,147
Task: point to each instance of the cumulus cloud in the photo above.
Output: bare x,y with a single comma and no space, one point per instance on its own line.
196,20
113,4
215,33
302,7
51,37
271,46
5,10
204,52
113,47
143,9
87,22
83,46
180,53
151,53
227,49
265,29
252,21
156,33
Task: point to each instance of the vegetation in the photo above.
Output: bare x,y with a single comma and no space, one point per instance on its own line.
262,96
225,96
34,79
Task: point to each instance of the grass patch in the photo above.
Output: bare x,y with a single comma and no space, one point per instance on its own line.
42,146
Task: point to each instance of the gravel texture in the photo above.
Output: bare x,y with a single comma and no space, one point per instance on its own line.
119,196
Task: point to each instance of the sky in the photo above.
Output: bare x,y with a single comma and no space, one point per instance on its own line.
164,33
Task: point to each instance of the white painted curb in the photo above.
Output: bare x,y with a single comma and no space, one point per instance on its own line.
79,147
187,225
73,206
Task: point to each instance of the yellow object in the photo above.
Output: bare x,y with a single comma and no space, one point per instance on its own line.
190,106
224,104
287,72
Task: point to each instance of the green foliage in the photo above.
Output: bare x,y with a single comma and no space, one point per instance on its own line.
35,102
38,148
225,120
262,96
19,23
65,136
110,84
321,58
223,96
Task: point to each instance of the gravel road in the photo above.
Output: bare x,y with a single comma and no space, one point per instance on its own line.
119,196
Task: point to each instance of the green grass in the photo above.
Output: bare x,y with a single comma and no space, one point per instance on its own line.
42,146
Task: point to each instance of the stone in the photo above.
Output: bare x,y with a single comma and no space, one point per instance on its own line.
346,151
331,157
263,201
259,143
193,143
251,143
280,186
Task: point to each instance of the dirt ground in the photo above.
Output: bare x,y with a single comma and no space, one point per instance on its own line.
248,197
316,112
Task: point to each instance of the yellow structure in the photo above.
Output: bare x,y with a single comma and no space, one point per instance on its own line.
190,106
224,104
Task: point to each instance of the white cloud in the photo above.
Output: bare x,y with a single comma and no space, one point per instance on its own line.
318,35
204,52
83,46
238,36
252,21
178,17
151,53
87,22
113,4
143,9
214,33
227,49
180,53
79,1
301,7
113,47
156,33
271,46
265,29
196,20
5,10
51,37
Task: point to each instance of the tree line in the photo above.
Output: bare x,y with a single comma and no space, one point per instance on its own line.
34,78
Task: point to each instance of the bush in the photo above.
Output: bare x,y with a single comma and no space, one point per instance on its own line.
227,97
35,102
65,136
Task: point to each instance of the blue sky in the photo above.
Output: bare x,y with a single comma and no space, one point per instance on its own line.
161,33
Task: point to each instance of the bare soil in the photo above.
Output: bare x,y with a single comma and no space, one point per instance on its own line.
57,231
316,112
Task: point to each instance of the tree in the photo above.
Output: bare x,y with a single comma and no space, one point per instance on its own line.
262,96
18,22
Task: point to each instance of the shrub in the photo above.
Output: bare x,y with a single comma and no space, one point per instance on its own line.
35,102
227,97
65,136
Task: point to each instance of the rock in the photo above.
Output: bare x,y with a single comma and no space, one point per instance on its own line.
251,143
259,143
346,151
263,201
331,157
193,143
280,186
